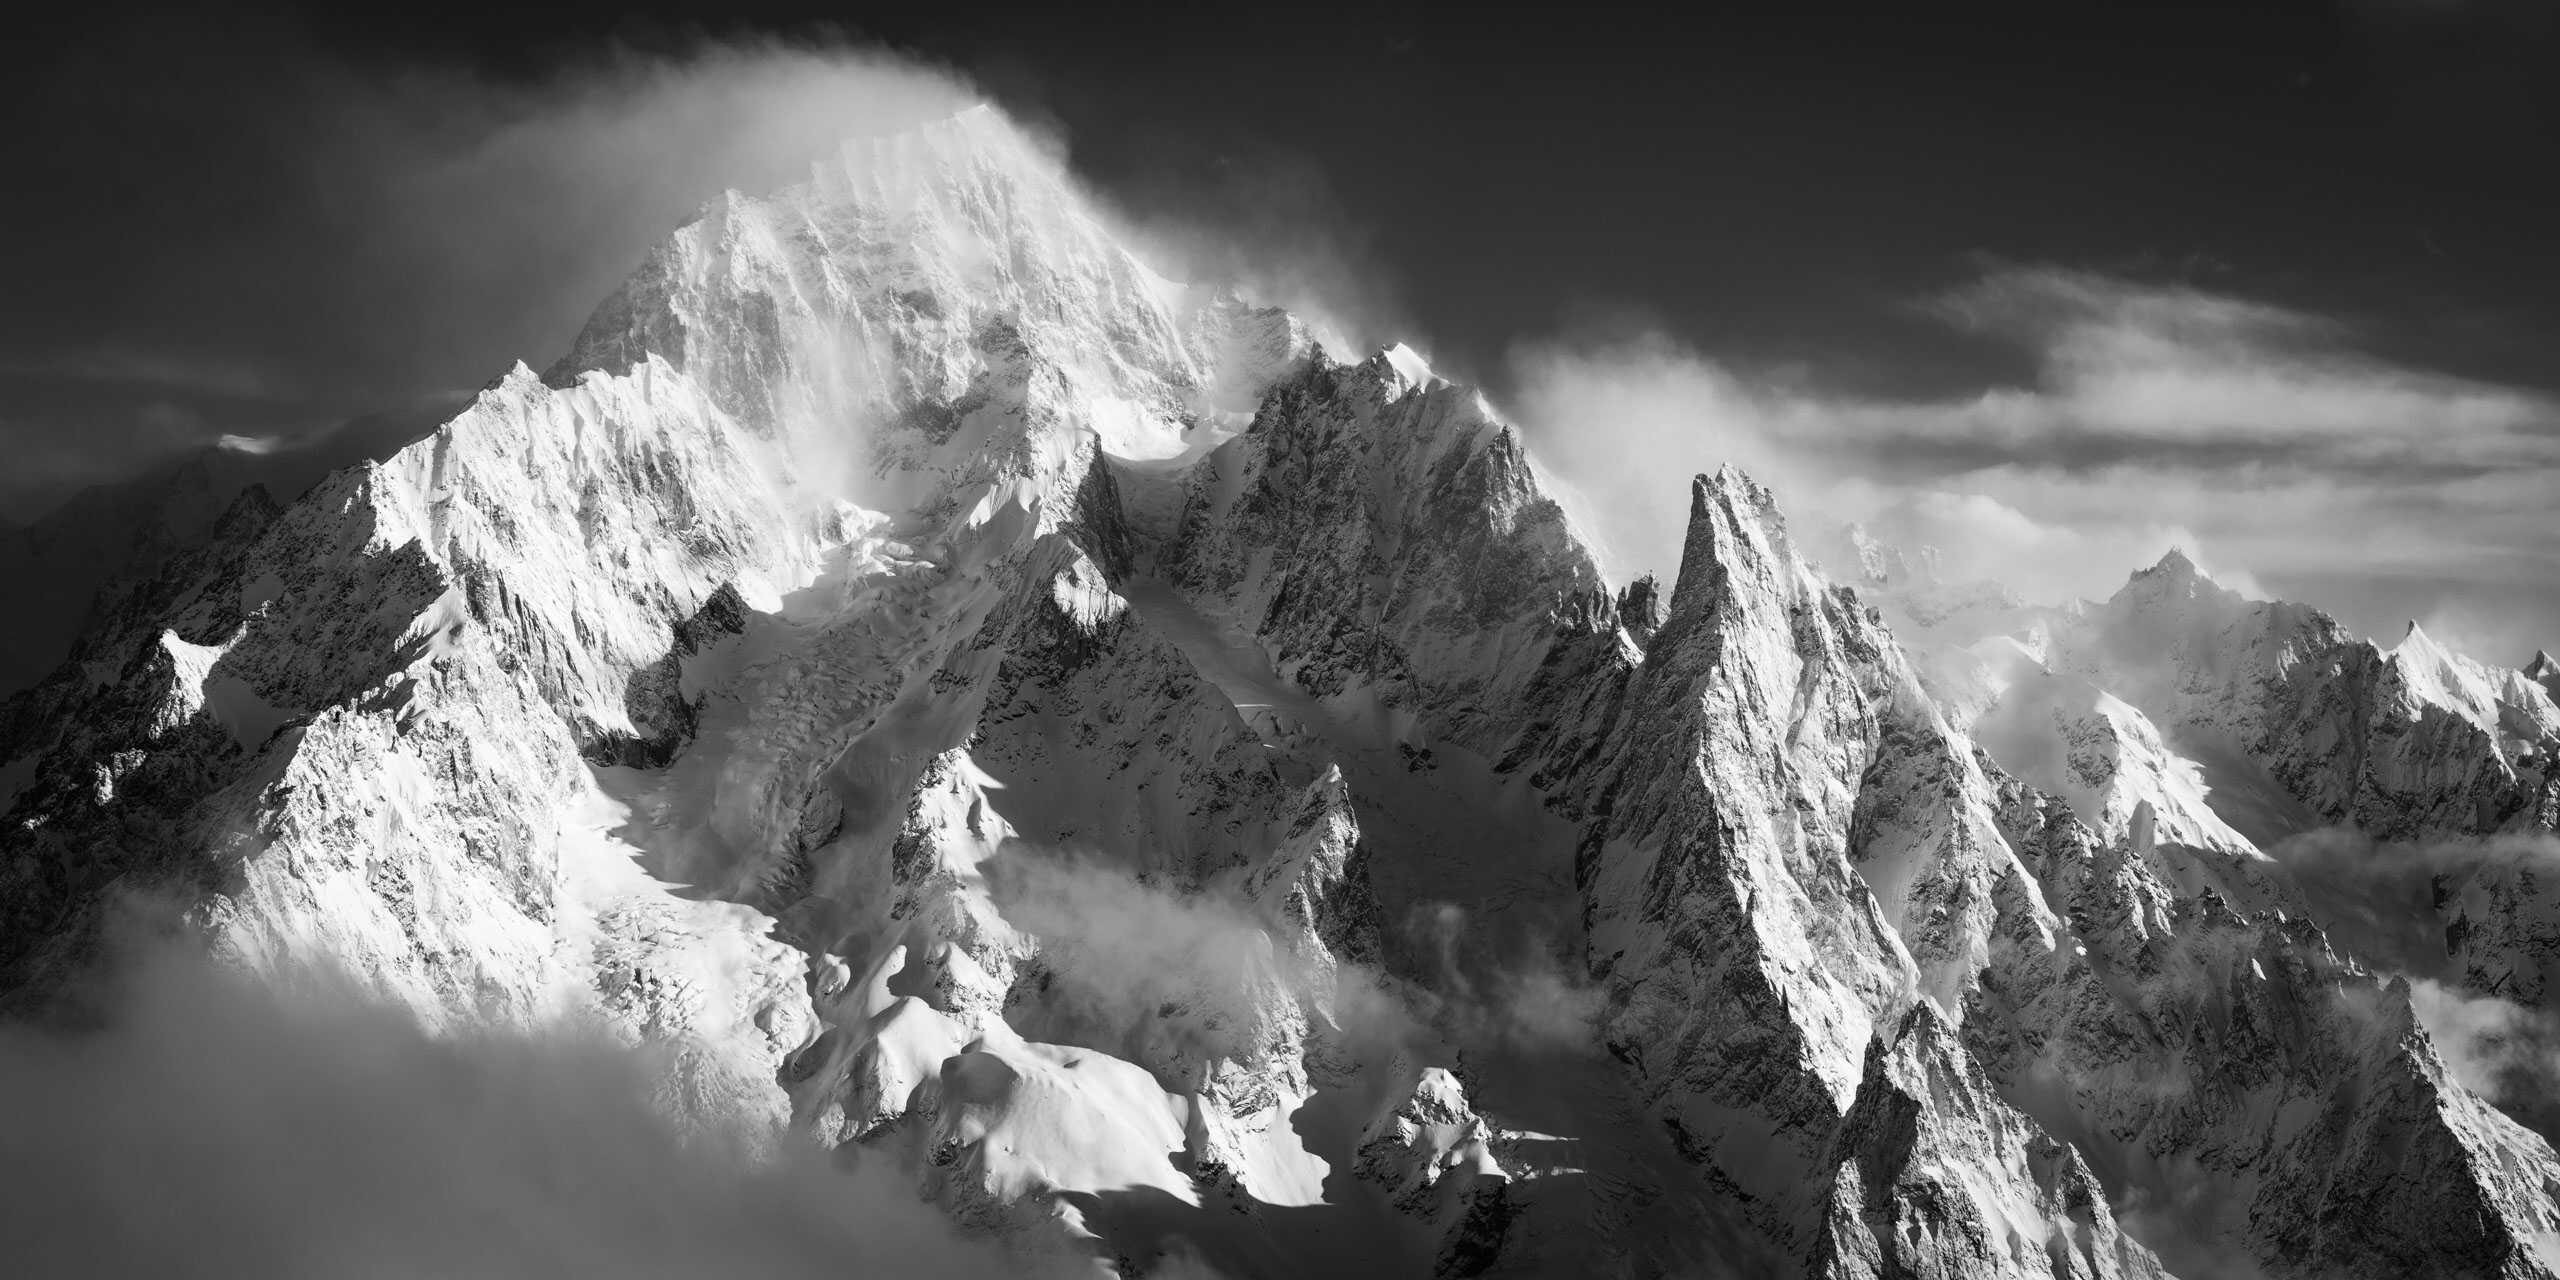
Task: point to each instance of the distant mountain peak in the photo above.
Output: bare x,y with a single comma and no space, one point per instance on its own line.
2176,566
2171,582
1885,564
901,579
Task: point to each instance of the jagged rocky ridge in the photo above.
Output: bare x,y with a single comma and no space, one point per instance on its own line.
2241,723
989,709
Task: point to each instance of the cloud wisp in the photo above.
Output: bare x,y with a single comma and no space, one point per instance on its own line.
1119,953
2261,439
2379,902
218,1126
331,237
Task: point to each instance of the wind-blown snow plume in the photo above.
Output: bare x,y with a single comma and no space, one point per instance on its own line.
471,221
1270,225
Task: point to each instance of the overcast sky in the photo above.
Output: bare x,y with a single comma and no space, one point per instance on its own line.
2056,289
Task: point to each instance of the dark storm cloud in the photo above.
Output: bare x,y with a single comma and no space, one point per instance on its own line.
228,231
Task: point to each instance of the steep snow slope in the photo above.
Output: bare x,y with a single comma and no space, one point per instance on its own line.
111,539
988,709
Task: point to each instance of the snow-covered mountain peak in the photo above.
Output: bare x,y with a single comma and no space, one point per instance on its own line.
865,318
2176,578
981,204
2543,673
1935,618
2434,675
1886,565
1411,370
2416,647
1734,523
1118,809
2175,562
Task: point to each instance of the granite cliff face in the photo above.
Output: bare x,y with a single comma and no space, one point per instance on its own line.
1175,793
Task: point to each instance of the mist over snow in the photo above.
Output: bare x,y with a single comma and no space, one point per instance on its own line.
209,1123
1530,998
2383,902
412,229
1117,947
2501,1050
